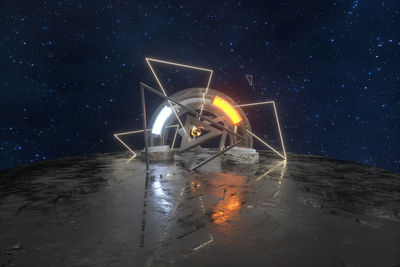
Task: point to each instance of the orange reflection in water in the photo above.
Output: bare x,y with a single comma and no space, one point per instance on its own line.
226,209
230,203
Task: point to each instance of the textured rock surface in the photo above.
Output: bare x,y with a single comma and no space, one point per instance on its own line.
240,156
99,210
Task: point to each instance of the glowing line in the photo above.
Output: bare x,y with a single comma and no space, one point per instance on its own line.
141,131
283,171
262,141
279,129
131,132
162,88
205,243
211,236
177,64
278,125
227,108
176,132
160,120
235,130
131,158
254,104
204,95
249,79
283,162
122,142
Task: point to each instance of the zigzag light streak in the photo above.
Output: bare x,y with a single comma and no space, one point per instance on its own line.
277,122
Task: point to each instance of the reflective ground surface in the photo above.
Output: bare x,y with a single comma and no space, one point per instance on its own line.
102,211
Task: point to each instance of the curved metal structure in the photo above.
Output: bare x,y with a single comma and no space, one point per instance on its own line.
196,99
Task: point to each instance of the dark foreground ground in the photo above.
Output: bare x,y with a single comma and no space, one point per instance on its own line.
100,210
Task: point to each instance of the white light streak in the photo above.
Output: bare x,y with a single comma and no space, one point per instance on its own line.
205,243
160,120
282,163
254,104
277,123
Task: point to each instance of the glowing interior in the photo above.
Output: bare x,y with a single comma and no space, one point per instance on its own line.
227,108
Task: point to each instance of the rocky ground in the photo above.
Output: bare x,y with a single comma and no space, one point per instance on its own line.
99,210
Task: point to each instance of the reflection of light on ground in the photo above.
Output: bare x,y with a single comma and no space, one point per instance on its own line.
195,186
204,212
158,189
159,193
205,243
178,200
233,204
282,171
281,165
230,202
226,209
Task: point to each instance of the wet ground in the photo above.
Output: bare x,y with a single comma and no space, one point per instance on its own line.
99,210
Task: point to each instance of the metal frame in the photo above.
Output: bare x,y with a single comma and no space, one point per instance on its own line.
198,115
216,125
186,145
145,127
148,60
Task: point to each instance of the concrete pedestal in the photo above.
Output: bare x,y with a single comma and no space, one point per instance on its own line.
240,156
160,153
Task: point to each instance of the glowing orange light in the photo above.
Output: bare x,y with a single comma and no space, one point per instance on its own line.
233,204
226,210
195,131
227,109
219,217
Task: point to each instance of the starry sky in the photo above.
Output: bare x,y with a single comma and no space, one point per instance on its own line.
69,70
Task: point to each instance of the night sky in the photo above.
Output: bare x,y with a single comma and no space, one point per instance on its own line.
69,71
